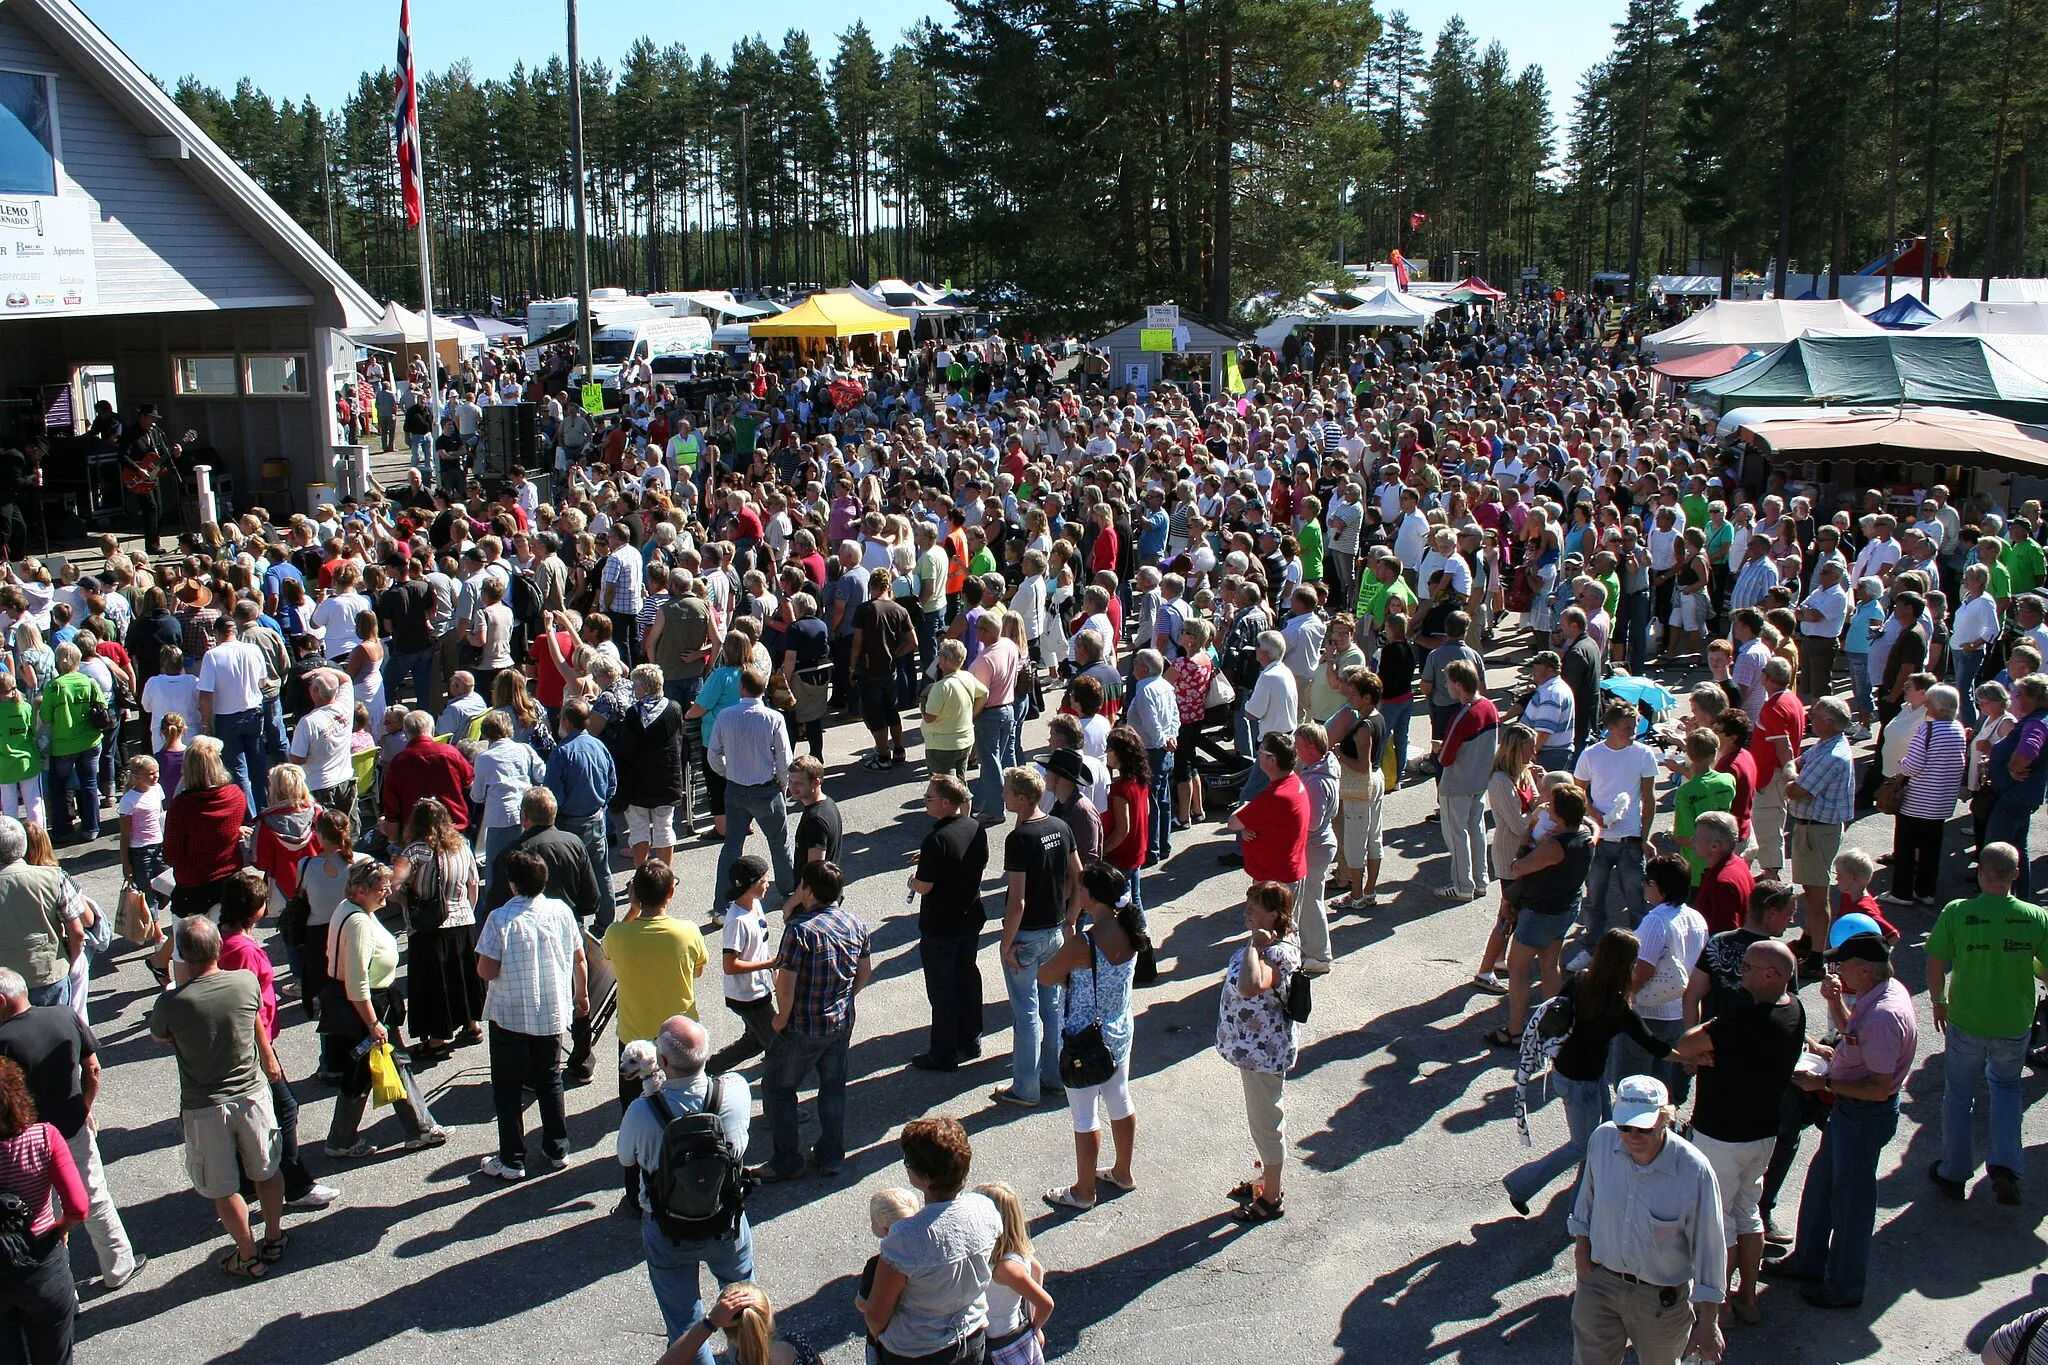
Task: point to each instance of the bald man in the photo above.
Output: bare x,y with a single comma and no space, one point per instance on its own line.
1754,1035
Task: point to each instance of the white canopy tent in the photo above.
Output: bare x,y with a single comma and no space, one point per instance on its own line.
1756,325
1386,308
400,326
2017,330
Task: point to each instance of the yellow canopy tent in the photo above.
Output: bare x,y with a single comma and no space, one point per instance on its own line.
829,315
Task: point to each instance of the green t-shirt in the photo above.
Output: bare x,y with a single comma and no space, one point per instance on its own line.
1373,596
1719,538
931,578
982,563
949,711
211,1024
1310,539
2024,565
1990,944
1613,586
1695,506
2000,587
19,759
1708,791
67,709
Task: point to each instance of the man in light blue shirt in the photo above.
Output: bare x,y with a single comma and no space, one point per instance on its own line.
1647,1237
1154,712
1551,712
749,747
583,778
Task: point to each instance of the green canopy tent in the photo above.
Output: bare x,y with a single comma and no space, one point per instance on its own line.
1938,371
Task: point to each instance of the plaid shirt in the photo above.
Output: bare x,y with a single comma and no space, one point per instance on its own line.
1828,772
825,949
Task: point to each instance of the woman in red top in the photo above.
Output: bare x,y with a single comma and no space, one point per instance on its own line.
1733,730
1126,825
203,829
37,1312
1275,822
1102,556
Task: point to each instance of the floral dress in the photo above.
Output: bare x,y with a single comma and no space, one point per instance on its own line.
1191,686
1255,1034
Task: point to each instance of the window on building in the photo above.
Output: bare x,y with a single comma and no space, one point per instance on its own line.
207,375
276,374
28,140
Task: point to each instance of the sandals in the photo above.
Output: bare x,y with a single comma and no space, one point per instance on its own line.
1500,1037
1063,1198
240,1266
1243,1192
271,1249
1259,1211
1109,1178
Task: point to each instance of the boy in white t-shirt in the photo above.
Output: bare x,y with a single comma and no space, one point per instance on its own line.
1672,935
749,965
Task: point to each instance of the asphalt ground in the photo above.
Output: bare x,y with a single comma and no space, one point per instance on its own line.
1398,1245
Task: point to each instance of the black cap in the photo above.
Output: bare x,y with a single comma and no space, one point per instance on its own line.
1860,948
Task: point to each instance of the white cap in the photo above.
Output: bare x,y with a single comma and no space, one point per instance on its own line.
1639,1102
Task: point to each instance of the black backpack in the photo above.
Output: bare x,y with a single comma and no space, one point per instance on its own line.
700,1186
528,614
20,1251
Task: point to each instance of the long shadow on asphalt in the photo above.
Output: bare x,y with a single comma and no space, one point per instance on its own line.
1395,1098
1396,1317
1091,1294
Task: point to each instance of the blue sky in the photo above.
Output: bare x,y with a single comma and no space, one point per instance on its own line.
320,49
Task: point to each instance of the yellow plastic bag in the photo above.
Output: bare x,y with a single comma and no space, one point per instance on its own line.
385,1087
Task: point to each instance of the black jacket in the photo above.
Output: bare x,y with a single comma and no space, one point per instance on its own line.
570,876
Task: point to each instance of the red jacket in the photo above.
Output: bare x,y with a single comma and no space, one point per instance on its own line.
427,767
203,834
1278,816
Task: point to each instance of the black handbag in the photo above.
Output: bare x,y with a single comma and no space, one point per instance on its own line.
297,914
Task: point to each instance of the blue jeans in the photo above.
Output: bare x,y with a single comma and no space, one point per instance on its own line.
1838,1208
241,745
1635,627
1555,758
930,625
1968,661
496,839
82,769
1034,1016
1998,1061
1397,713
1160,831
674,1269
1587,1105
1626,1057
58,992
2011,816
1620,861
1860,699
274,738
792,1057
422,448
995,734
682,691
591,830
1241,733
418,666
743,806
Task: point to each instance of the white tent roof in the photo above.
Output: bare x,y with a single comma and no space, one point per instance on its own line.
401,325
1993,319
1386,308
1756,325
1687,286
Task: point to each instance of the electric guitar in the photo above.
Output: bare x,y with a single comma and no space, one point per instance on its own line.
141,476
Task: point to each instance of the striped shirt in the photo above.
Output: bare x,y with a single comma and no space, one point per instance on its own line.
1751,585
34,1162
1550,710
1828,773
1935,764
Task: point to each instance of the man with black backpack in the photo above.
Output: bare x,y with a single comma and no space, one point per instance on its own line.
689,1140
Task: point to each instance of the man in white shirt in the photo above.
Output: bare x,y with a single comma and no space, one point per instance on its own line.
1303,630
320,741
230,688
1671,935
1411,538
620,591
1975,626
530,955
1274,707
1881,553
1821,619
1620,778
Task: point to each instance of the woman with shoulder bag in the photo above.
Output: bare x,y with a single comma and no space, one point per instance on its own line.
1597,1008
439,876
1095,965
1934,765
1194,678
1256,1034
362,1010
39,1305
1995,721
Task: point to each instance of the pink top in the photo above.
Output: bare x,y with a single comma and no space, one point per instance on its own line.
996,667
32,1163
239,953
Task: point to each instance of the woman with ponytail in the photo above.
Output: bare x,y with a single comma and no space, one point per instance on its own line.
1095,966
746,1317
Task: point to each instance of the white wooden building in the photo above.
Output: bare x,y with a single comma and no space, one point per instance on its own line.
129,240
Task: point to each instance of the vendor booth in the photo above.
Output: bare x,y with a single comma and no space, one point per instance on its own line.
1755,326
1886,369
828,317
1900,451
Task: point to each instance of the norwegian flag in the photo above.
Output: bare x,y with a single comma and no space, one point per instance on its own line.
406,114
1416,220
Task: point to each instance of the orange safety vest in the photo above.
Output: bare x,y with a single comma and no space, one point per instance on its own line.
956,561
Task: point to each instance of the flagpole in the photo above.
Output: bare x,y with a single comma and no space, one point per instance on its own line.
427,293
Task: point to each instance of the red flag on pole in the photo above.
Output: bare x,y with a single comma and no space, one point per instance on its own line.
1416,220
406,113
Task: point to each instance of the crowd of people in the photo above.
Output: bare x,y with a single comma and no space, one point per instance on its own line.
448,738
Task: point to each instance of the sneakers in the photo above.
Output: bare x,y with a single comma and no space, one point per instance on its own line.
432,1137
2007,1185
354,1151
1490,983
1894,898
318,1197
113,1282
498,1170
1009,1095
554,1163
1954,1189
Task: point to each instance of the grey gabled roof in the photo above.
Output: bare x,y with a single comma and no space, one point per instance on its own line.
341,301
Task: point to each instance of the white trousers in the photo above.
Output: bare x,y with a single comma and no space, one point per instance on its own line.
102,1219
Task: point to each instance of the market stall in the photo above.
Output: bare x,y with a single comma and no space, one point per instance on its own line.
1755,326
828,317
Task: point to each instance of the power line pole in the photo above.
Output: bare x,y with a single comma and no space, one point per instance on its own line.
582,207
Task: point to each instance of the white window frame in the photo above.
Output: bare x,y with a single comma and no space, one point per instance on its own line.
305,374
178,374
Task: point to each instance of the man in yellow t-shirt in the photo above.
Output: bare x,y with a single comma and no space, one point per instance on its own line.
657,961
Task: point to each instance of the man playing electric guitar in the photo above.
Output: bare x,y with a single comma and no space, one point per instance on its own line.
144,460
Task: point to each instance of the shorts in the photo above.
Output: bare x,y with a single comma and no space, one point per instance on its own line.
1116,1097
1689,612
1739,1171
1814,847
878,702
652,825
224,1142
1362,817
1540,931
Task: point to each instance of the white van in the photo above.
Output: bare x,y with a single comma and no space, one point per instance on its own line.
622,344
609,307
